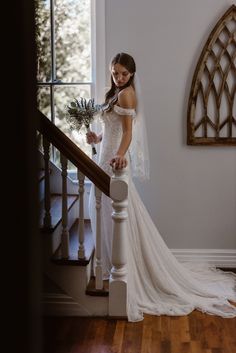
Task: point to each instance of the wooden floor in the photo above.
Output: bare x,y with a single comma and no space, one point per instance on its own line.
194,333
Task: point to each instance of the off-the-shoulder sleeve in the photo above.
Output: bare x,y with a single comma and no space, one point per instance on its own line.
124,111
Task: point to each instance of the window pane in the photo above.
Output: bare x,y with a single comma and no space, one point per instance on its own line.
44,103
43,36
73,40
63,95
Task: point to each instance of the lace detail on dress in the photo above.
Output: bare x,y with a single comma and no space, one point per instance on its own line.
112,135
124,111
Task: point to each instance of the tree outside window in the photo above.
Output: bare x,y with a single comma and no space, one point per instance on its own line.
64,61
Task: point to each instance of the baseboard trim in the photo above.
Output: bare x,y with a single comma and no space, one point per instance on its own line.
225,258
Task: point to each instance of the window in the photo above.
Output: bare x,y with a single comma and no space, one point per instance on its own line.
67,56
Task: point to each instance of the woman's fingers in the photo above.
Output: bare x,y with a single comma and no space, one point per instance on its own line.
118,162
91,137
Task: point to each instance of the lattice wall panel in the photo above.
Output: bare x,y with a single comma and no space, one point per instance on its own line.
212,103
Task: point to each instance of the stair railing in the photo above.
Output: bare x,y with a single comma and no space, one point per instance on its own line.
116,188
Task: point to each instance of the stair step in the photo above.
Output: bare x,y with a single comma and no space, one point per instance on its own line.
73,259
91,290
56,210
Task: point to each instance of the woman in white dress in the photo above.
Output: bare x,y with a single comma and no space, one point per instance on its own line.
157,283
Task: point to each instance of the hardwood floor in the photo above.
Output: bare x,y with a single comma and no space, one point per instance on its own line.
194,333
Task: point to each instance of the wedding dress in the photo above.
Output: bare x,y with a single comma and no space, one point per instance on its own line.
157,283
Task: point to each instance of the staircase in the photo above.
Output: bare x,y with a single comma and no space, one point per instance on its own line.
68,283
72,270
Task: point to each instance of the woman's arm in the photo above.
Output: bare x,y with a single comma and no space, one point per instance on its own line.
126,99
119,161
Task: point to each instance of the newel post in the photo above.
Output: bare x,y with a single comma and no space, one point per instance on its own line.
118,278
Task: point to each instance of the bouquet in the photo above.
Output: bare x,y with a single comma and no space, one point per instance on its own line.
81,112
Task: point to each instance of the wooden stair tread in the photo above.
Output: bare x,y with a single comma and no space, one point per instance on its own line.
56,209
73,259
91,290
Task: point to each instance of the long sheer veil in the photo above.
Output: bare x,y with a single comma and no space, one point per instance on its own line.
139,152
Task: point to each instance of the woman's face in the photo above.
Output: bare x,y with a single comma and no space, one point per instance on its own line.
120,75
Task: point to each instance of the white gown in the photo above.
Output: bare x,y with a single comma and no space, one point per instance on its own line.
157,283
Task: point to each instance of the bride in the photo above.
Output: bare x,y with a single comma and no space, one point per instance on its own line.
157,283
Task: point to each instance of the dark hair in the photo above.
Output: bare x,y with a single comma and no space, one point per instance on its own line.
128,62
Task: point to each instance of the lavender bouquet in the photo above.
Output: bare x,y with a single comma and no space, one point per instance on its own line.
82,112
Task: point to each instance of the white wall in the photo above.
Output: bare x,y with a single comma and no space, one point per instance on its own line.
192,192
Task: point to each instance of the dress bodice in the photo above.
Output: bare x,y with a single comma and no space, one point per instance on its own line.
112,134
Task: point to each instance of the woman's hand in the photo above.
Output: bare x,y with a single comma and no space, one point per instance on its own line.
91,137
118,162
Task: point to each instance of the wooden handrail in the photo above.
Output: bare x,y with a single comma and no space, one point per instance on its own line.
73,153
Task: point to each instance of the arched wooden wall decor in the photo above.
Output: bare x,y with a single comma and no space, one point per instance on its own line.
211,116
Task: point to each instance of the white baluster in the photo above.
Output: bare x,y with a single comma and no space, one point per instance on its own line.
47,221
65,232
98,252
118,278
81,250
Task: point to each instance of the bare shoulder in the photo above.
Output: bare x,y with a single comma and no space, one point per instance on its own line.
127,98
